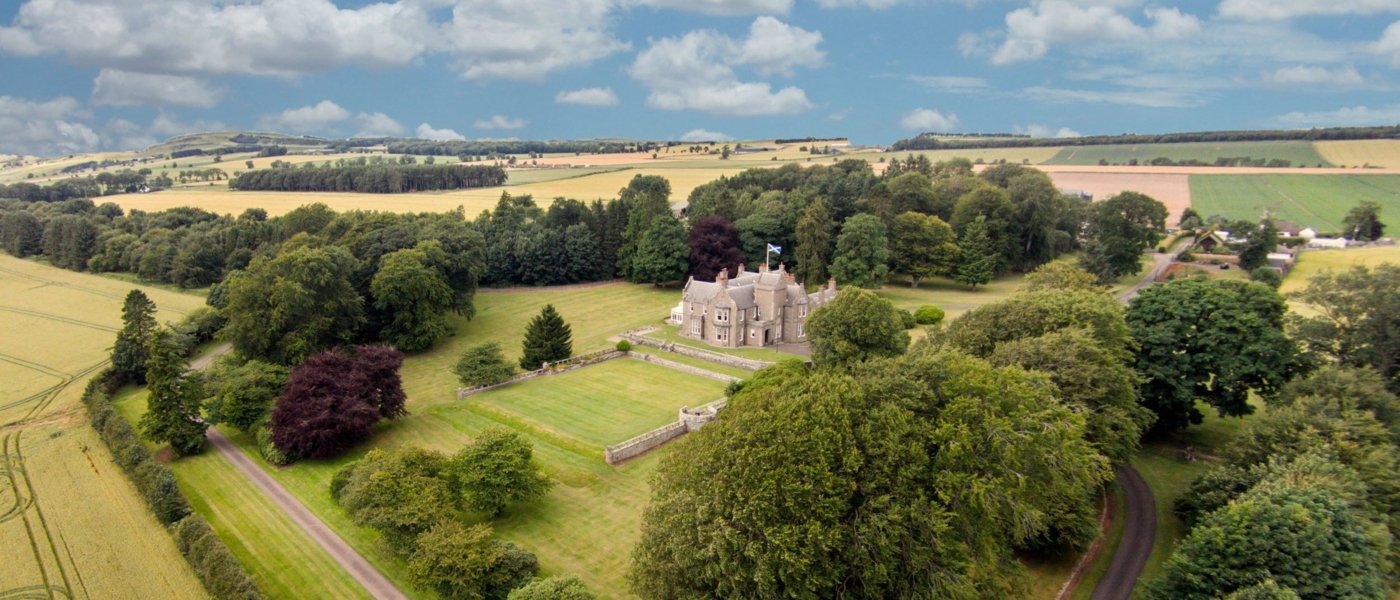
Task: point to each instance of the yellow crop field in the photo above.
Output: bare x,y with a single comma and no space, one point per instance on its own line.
593,185
1356,153
1313,262
71,524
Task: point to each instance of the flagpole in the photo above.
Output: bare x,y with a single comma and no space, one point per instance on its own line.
768,251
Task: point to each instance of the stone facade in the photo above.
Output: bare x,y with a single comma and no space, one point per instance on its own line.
752,309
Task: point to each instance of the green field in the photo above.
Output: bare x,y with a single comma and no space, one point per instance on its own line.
70,522
1317,201
1297,152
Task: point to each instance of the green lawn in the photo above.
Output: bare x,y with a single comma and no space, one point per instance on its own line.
599,405
285,562
585,526
953,297
1297,152
1162,465
1317,201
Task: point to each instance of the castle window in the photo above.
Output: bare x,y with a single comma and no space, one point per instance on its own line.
722,334
695,326
801,310
801,331
722,315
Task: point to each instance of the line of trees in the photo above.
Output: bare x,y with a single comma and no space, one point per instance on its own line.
497,147
371,179
124,181
937,141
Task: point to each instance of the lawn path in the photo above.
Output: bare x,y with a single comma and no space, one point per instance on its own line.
373,581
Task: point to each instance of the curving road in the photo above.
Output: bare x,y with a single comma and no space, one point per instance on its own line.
1139,534
1139,506
373,581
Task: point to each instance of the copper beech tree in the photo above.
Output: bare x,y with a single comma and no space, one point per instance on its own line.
332,401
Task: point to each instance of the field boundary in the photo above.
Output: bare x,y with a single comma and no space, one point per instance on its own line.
688,420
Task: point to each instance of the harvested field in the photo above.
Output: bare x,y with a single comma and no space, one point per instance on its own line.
1173,190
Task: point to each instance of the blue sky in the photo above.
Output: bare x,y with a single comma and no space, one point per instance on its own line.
80,75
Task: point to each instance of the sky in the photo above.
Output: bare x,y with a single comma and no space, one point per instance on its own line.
84,75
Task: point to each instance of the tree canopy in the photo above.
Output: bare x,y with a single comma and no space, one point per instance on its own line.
547,339
1119,229
132,350
1356,320
333,399
284,309
855,326
862,252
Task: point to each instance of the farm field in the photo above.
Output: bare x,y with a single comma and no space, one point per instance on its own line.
581,184
1297,152
72,522
1357,153
1171,189
986,155
1313,262
1317,201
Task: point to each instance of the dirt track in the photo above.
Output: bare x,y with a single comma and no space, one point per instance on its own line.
373,581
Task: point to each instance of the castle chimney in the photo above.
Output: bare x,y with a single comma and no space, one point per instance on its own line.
723,279
763,268
831,285
741,269
782,267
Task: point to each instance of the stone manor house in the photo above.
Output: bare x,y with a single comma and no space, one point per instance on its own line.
752,309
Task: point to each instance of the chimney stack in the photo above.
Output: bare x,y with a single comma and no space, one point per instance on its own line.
723,279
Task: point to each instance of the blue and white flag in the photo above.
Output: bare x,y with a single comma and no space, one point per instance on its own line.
775,249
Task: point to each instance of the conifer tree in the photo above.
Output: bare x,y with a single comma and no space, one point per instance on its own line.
548,338
172,411
979,257
814,234
132,349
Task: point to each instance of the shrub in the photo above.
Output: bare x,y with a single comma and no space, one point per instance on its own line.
1186,256
157,483
222,575
928,314
624,346
552,588
483,365
268,450
1267,276
906,319
467,562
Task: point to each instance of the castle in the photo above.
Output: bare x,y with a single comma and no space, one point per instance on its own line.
752,309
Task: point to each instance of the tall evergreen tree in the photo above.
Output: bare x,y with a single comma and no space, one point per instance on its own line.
1363,223
547,338
814,236
132,349
979,256
646,197
172,411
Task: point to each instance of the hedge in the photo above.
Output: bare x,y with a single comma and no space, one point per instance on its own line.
222,575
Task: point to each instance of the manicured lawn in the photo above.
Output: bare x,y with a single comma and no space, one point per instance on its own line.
602,404
953,297
1317,201
1297,152
285,561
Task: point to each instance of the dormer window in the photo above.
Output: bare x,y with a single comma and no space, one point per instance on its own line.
722,315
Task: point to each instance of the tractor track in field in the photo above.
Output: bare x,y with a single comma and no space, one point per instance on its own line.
73,286
59,318
56,582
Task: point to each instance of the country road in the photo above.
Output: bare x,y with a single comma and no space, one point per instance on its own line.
373,581
1139,506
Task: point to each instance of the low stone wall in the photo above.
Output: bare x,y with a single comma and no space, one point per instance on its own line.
689,419
563,366
643,444
683,350
684,368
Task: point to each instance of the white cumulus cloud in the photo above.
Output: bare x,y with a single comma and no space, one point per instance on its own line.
1315,75
1389,44
124,88
44,127
498,122
704,135
930,120
528,39
1032,30
593,96
723,7
696,71
1259,10
1041,131
373,125
1353,116
426,132
307,119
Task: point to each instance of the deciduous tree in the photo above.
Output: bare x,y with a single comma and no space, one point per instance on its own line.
1119,230
332,401
1356,321
291,306
857,325
922,246
714,246
660,256
483,364
496,470
415,296
466,563
243,395
1363,223
815,232
862,252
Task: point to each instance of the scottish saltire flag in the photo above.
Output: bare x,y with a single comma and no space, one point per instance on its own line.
775,249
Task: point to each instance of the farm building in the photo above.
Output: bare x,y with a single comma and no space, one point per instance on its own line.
752,309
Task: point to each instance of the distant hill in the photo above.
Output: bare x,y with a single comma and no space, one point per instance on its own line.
942,141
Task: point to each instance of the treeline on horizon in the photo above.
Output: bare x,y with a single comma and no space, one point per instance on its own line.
932,141
499,147
369,178
124,181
